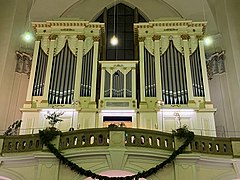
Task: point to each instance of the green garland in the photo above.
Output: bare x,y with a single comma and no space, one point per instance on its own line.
49,134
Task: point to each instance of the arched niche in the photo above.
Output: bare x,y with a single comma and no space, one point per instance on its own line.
116,173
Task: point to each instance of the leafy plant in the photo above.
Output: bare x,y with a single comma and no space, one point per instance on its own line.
53,118
47,135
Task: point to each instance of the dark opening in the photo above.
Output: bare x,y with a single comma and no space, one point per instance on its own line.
117,118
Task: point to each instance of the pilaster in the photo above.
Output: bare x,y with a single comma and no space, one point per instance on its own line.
94,71
185,39
28,103
204,71
102,83
156,39
78,75
142,73
52,39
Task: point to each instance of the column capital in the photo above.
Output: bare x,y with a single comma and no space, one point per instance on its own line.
185,37
156,37
96,38
52,37
141,39
200,37
81,37
38,38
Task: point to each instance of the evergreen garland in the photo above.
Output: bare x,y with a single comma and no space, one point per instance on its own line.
48,135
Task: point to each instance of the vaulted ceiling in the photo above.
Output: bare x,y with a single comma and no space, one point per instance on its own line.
196,10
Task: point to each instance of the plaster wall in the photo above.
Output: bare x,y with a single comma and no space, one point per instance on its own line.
227,18
12,19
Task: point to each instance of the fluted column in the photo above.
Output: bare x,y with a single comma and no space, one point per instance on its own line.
32,74
204,70
156,39
185,39
52,39
81,39
142,73
94,71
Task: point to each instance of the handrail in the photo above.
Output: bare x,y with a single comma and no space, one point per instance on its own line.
133,138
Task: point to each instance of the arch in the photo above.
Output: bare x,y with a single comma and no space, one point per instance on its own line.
116,173
10,175
164,9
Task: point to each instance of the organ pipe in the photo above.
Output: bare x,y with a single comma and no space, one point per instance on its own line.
86,76
173,73
149,69
61,89
38,85
196,73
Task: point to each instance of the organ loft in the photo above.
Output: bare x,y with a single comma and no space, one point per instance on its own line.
163,82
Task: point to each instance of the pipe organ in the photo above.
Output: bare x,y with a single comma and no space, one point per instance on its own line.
118,84
171,66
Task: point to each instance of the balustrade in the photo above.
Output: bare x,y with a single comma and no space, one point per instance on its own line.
133,138
21,143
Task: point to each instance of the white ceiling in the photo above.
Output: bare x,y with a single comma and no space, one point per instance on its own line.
196,10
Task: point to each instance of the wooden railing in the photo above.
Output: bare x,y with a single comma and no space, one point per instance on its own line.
132,137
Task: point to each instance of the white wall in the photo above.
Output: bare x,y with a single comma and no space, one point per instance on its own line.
227,15
12,19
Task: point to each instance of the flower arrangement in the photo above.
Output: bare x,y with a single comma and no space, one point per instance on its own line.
53,118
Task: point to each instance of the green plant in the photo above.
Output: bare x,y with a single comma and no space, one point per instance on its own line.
47,135
53,118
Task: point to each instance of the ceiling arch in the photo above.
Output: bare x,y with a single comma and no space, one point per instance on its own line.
195,10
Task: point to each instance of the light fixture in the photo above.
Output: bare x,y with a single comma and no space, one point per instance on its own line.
114,39
27,37
208,41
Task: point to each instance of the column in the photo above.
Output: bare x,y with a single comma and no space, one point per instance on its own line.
142,73
94,71
52,38
28,102
204,70
102,83
124,84
134,83
111,81
156,39
78,75
185,38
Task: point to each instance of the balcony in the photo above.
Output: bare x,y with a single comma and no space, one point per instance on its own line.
102,149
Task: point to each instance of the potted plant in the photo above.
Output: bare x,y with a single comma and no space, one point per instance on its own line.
53,118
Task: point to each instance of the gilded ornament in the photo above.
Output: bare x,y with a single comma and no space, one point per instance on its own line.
96,38
141,39
156,37
199,37
52,37
81,37
38,38
185,37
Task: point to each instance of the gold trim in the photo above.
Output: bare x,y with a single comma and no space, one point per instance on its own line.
96,38
156,37
81,37
185,37
52,37
141,39
199,37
